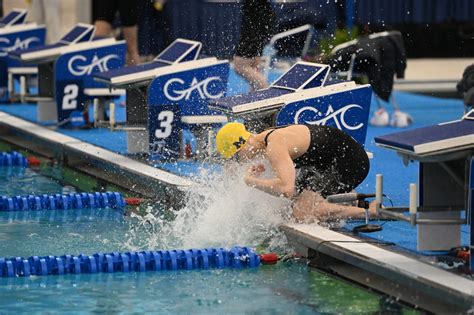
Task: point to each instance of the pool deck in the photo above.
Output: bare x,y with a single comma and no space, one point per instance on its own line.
433,75
382,268
401,276
99,162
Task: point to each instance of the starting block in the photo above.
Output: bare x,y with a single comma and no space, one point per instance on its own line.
303,95
445,153
65,70
100,98
181,50
15,17
16,34
23,74
168,95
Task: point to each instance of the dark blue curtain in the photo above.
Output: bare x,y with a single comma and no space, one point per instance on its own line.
217,24
413,11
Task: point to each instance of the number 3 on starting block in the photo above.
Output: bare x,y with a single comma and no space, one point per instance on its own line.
165,120
165,131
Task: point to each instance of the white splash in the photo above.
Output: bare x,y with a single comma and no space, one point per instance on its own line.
221,211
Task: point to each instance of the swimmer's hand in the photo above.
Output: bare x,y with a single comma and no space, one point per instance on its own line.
254,171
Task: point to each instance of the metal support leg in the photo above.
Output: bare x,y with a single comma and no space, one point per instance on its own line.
413,204
22,88
112,115
378,192
96,111
10,85
470,213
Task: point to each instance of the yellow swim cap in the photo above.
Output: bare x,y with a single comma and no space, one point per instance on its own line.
231,138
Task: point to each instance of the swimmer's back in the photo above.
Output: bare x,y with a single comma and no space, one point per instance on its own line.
296,138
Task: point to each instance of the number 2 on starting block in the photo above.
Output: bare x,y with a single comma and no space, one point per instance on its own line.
71,91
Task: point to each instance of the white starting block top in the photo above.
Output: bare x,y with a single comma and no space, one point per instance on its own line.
205,119
81,36
299,82
454,136
181,50
15,17
101,92
23,70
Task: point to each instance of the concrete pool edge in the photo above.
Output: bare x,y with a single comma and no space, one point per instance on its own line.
104,164
405,278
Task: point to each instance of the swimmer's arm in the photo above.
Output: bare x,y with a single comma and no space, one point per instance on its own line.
282,164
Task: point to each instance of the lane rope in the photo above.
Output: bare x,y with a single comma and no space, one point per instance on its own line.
113,200
162,260
9,159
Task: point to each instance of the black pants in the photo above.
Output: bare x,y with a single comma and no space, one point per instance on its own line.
257,27
106,10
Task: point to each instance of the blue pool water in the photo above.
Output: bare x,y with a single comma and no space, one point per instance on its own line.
289,287
24,181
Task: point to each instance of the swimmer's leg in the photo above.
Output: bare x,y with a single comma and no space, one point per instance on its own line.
311,206
248,68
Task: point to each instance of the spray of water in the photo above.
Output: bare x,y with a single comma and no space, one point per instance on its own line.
221,211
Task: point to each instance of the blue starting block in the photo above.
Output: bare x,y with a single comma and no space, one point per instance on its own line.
303,95
16,34
446,181
65,71
15,17
169,95
81,33
181,50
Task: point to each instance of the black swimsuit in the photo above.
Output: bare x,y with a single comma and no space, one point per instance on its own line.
334,162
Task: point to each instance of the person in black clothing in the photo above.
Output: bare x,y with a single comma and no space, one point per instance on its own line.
258,23
380,57
310,163
104,12
465,87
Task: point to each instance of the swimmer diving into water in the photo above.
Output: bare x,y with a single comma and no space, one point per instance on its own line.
309,162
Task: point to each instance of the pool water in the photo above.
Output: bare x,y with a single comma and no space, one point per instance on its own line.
25,181
289,287
286,288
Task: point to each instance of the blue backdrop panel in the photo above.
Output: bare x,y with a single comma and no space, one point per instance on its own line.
182,93
73,73
348,111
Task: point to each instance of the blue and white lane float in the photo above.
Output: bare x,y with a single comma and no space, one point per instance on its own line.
113,200
10,159
163,260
